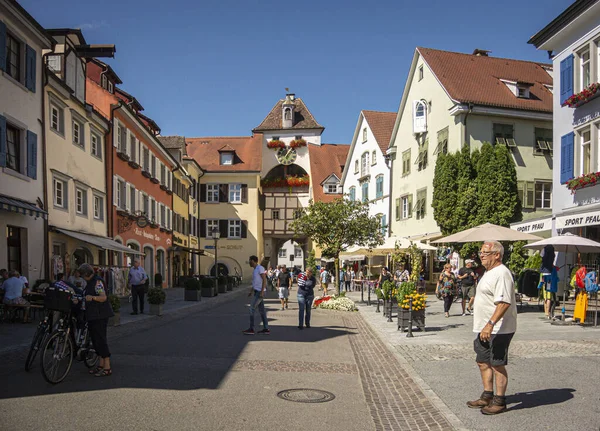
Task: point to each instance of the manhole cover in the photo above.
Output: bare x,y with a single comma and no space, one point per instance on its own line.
306,395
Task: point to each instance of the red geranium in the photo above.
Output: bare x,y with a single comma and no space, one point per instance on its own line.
582,181
583,96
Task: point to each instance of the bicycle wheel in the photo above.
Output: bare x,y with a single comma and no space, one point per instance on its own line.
35,345
91,357
57,357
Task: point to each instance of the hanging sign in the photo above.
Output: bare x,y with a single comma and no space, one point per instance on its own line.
578,220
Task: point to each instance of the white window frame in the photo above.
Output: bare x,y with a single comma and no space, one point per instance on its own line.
234,225
59,118
78,141
98,207
583,144
212,193
364,164
585,64
97,152
119,193
404,203
421,73
331,188
364,135
546,189
80,201
211,223
356,166
235,193
104,82
63,185
282,253
111,88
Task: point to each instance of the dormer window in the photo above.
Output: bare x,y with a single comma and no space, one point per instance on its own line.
227,158
331,188
522,92
419,116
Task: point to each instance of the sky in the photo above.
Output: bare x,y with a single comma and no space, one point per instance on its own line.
217,67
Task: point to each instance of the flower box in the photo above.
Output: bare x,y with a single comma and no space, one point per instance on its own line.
169,192
275,144
418,319
122,213
123,156
289,181
133,164
297,143
147,174
154,225
164,187
155,180
583,181
584,96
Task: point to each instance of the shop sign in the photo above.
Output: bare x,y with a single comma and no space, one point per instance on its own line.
577,220
193,241
209,247
148,235
533,226
231,247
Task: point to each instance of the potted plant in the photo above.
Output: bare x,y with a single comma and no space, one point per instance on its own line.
388,289
222,284
133,164
208,287
115,304
154,180
419,302
146,173
156,299
121,155
192,289
158,280
230,282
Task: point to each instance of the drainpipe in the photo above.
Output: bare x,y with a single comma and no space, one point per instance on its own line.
390,196
109,180
46,253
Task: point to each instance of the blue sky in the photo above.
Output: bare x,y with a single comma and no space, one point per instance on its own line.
217,67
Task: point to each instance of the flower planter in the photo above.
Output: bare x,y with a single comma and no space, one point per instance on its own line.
164,188
153,225
115,320
587,94
169,192
155,180
123,156
275,144
207,292
192,295
230,286
133,164
417,316
162,229
147,174
156,309
222,288
122,213
583,181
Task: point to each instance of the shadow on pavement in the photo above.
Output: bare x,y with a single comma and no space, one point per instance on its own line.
195,352
543,397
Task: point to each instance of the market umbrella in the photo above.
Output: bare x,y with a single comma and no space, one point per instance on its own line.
389,245
568,243
488,232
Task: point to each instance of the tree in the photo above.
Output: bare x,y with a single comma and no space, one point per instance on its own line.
466,201
310,261
335,226
445,188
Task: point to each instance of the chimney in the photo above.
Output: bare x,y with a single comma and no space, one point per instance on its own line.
481,52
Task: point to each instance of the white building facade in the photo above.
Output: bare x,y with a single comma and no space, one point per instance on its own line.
22,200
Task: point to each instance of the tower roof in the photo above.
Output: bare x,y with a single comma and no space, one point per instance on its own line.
303,119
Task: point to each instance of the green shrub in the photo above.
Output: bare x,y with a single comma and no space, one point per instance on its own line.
115,302
156,295
222,280
533,262
208,283
406,288
191,284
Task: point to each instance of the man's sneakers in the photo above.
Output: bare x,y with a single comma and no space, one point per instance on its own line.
248,332
264,332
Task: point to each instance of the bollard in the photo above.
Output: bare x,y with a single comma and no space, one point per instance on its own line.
409,333
377,311
362,292
390,310
369,295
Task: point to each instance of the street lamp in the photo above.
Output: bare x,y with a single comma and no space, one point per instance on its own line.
216,235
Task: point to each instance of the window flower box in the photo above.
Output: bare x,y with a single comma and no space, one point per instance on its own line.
169,192
162,229
583,181
154,180
289,181
122,213
154,225
583,97
297,143
275,144
123,156
147,174
164,187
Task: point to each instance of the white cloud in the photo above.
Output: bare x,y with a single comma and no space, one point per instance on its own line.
94,25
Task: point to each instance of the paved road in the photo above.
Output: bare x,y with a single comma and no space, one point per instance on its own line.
195,370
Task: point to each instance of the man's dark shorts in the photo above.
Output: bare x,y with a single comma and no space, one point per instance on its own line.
468,292
495,351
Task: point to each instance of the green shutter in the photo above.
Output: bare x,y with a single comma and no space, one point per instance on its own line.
529,195
410,205
398,208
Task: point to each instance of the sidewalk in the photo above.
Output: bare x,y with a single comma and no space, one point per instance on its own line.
15,336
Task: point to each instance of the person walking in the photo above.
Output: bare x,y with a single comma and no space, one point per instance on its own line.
495,323
97,313
447,287
306,285
468,278
384,276
137,283
347,279
284,286
402,275
325,280
257,292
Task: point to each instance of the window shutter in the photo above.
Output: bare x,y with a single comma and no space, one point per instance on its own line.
30,68
127,197
224,228
202,192
223,192
202,228
3,149
244,228
115,190
566,157
31,155
115,133
410,205
521,192
126,148
529,195
244,193
566,78
2,46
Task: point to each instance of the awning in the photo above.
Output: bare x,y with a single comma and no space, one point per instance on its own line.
21,207
188,250
353,257
99,241
578,220
533,226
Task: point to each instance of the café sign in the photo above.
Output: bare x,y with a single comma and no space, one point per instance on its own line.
578,220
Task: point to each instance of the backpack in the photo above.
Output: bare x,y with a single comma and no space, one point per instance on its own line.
580,277
327,277
590,282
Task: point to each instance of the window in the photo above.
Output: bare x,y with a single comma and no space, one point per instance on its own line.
364,135
95,142
364,164
406,207
422,158
586,156
54,63
442,142
227,158
56,119
282,253
132,199
212,193
119,194
235,193
331,188
13,57
133,147
275,214
163,218
146,205
356,166
522,91
297,214
60,193
80,201
373,158
235,229
120,139
420,72
78,132
379,186
352,193
421,205
585,69
503,135
365,192
543,141
146,160
419,116
405,163
543,195
98,208
104,82
383,221
297,251
210,226
13,148
398,208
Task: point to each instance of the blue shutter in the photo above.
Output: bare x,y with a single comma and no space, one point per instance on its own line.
2,46
2,141
30,65
31,155
567,149
566,78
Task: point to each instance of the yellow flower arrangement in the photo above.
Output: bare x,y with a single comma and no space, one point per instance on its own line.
419,301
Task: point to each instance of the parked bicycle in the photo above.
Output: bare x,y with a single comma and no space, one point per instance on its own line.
44,330
70,340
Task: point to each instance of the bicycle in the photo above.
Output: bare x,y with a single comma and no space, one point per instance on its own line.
43,330
59,348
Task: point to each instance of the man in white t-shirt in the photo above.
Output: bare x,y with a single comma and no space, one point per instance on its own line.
495,323
257,291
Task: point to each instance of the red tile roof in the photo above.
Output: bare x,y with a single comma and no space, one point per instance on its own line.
476,79
303,119
248,151
382,125
325,160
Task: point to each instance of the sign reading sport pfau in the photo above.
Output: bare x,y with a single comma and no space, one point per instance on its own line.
533,226
577,220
